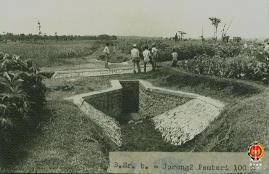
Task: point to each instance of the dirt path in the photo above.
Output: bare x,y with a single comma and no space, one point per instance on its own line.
91,64
94,68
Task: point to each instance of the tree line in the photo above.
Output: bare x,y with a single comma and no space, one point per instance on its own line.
34,37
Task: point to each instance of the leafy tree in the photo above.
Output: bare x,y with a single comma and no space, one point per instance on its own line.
181,33
22,95
237,39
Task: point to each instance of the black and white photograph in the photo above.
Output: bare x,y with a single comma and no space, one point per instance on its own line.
134,86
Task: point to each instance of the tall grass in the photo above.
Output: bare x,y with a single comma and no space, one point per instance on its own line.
50,53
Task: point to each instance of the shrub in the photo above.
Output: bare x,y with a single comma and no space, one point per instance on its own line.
22,95
239,67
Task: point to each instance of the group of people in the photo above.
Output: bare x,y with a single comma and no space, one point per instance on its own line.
148,56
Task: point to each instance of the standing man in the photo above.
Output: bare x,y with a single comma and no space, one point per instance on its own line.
107,53
154,53
174,58
135,58
146,55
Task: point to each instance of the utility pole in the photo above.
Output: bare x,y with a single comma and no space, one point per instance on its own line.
39,28
202,36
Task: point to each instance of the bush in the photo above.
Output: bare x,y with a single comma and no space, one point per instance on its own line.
186,52
239,67
22,95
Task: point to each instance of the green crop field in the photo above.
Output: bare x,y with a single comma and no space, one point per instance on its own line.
51,53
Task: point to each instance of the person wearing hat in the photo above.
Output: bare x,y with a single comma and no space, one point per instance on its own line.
135,58
146,55
154,53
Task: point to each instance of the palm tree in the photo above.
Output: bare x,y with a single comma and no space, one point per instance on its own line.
215,22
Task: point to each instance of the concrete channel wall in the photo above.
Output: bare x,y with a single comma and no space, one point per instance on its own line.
153,102
130,94
109,102
178,115
134,96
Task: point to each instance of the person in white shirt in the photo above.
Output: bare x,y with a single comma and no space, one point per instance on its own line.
245,45
174,57
266,50
107,53
146,55
154,53
135,58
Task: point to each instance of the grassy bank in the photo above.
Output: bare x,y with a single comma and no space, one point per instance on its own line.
244,120
237,127
66,141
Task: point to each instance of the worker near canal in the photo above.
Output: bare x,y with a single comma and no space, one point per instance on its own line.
146,55
107,53
154,53
174,58
135,58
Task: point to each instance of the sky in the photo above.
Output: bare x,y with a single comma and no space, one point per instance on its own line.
246,18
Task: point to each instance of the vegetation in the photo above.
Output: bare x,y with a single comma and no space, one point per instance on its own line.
229,60
236,127
185,49
21,99
51,53
240,67
246,105
215,22
35,38
181,33
204,68
87,152
251,64
66,141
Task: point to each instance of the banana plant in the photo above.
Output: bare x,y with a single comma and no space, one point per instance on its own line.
13,96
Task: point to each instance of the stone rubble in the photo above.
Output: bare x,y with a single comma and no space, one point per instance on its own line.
184,122
108,124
